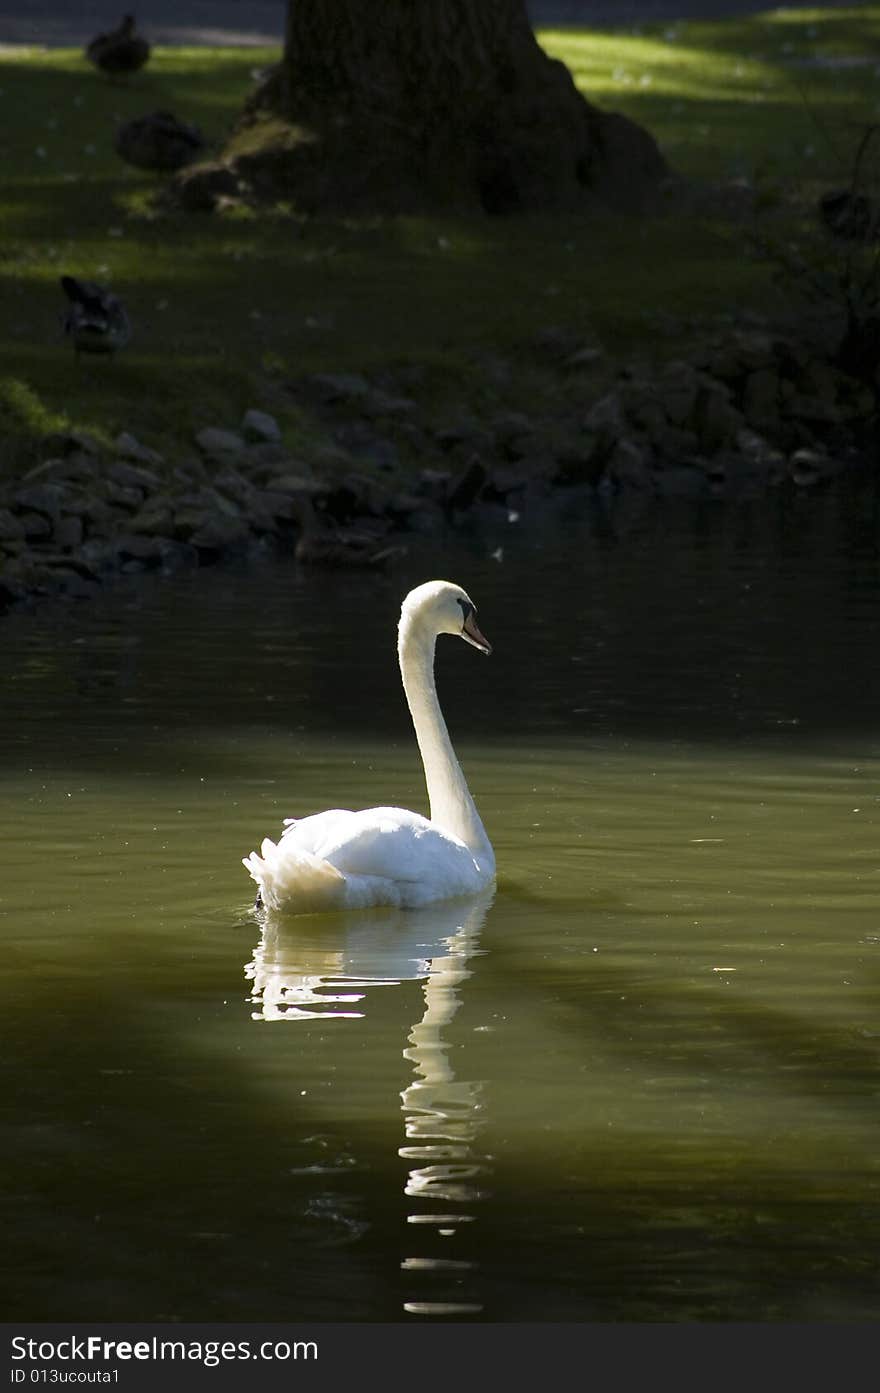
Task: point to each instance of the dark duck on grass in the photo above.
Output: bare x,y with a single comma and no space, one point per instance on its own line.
120,50
159,141
96,319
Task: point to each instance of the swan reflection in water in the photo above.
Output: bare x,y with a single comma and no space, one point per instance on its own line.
324,969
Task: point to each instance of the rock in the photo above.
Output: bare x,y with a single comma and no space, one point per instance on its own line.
11,527
69,442
219,444
487,516
100,554
133,476
123,496
264,456
433,484
415,440
509,430
40,498
361,442
604,420
36,526
143,549
469,483
642,407
584,360
266,508
176,556
68,532
740,354
369,495
677,390
503,479
12,588
463,434
233,485
196,512
78,467
793,357
75,585
377,404
221,503
156,519
681,481
79,564
583,460
822,381
813,410
633,174
329,459
257,426
295,484
674,442
760,402
95,512
141,553
333,387
627,465
218,534
190,473
130,448
715,418
428,519
401,506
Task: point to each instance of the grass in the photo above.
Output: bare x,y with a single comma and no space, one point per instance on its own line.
227,308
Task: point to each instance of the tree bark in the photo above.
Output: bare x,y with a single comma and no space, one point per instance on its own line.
413,104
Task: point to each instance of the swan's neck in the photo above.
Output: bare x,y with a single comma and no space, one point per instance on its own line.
452,807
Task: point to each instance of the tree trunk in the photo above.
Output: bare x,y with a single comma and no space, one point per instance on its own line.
414,104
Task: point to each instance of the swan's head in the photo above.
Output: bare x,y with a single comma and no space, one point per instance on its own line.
443,608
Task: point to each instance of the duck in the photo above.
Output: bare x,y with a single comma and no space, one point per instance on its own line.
387,856
159,141
96,319
324,545
120,50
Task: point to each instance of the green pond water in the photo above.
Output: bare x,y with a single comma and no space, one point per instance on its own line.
641,1083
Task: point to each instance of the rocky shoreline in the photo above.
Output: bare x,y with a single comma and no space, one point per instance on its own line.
747,413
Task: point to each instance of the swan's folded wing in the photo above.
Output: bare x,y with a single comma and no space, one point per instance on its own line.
386,856
392,843
310,833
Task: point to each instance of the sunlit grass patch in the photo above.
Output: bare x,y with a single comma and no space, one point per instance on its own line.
758,95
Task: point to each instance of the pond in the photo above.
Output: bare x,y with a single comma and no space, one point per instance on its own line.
639,1083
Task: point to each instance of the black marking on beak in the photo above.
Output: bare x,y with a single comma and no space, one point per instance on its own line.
469,629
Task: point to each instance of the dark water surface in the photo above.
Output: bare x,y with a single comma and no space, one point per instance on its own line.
641,1084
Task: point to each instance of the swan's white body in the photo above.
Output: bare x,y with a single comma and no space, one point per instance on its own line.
389,856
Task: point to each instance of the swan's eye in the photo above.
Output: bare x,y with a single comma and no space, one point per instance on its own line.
467,609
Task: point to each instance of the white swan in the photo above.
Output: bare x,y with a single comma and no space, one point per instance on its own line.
389,856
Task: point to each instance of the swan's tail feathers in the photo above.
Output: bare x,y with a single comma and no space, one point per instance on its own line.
294,880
